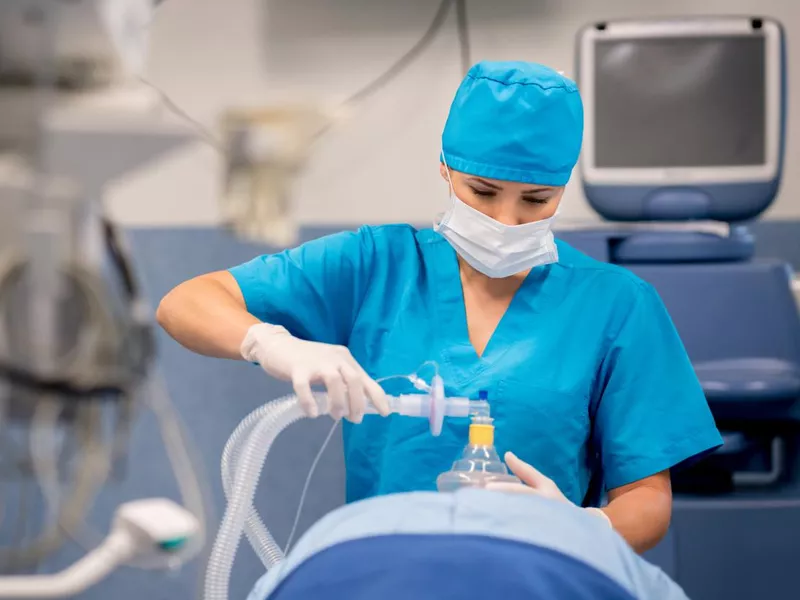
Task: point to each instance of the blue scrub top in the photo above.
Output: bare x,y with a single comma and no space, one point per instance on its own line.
585,371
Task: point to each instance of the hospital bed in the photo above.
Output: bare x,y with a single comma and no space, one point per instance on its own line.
685,128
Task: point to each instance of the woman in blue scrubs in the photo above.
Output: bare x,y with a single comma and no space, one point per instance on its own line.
586,376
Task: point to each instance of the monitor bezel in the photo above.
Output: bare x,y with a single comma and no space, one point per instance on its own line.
644,176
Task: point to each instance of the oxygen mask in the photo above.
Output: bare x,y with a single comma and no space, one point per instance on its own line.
479,463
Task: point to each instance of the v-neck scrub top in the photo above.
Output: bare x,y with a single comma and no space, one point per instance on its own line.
585,372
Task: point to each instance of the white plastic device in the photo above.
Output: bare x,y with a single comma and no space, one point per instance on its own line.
154,528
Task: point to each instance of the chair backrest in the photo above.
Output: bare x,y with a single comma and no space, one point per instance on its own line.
730,310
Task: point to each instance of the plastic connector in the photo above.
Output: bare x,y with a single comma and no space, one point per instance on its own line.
433,404
419,383
437,411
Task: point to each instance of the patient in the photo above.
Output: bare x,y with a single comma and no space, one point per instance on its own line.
468,544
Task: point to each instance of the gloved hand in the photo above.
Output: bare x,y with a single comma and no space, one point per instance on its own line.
304,363
534,482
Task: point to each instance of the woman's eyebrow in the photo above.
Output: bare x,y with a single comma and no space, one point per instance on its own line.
488,184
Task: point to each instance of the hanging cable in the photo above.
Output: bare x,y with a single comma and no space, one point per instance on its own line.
365,92
205,134
404,61
120,257
463,35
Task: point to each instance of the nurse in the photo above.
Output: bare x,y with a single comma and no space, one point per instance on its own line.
587,379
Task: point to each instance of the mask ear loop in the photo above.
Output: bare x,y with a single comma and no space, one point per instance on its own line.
449,180
445,216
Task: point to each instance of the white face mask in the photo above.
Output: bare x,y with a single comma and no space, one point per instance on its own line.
495,249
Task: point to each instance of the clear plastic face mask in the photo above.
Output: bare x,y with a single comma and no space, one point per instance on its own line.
476,468
479,463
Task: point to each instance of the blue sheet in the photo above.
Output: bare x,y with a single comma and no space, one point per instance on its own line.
445,567
527,520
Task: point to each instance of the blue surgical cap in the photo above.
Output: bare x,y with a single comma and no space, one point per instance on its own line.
515,121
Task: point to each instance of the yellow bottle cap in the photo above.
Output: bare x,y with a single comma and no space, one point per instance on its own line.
481,435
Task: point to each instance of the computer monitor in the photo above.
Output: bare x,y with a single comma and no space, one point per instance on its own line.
684,118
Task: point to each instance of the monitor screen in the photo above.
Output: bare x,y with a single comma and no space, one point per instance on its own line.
680,102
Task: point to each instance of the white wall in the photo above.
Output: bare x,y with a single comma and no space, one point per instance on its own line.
382,166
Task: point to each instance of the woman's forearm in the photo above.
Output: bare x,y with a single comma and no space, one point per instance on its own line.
641,515
207,315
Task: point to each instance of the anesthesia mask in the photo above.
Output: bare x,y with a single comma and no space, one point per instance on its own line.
479,463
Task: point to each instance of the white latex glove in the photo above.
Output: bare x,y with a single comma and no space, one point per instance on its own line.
305,363
534,482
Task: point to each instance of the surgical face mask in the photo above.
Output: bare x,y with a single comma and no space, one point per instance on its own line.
492,248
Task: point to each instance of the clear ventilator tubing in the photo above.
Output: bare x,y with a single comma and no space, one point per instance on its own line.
277,416
244,457
416,405
257,533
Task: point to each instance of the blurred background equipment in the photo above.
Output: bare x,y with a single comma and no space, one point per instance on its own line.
686,124
92,140
76,339
265,149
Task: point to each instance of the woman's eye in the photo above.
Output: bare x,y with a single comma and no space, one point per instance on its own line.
483,193
537,200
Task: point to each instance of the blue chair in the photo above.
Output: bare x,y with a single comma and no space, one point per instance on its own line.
715,91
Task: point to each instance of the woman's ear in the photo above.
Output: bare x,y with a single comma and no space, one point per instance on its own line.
443,172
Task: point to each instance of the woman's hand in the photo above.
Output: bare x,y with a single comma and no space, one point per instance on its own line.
534,482
305,363
208,315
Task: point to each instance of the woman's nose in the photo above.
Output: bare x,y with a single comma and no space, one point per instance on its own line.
506,214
